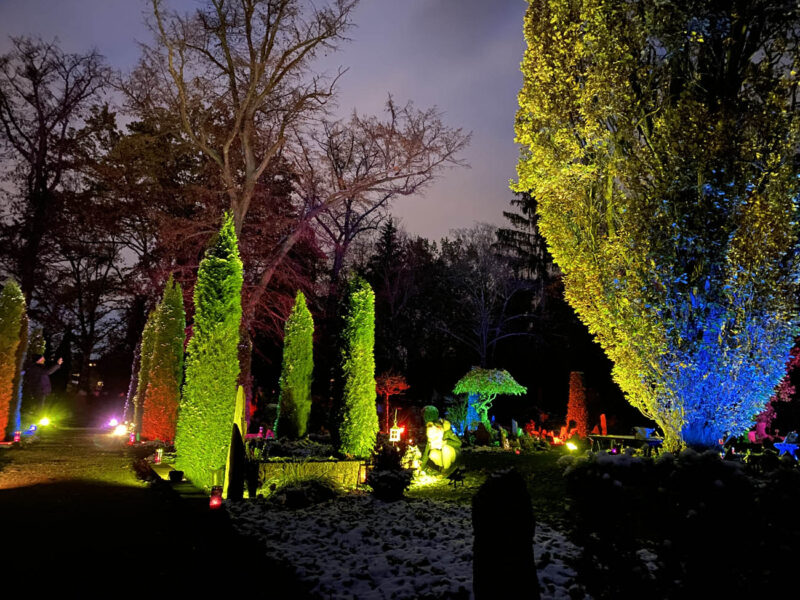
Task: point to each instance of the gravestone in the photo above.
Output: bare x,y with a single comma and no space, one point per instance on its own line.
503,524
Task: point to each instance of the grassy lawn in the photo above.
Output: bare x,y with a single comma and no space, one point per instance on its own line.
543,475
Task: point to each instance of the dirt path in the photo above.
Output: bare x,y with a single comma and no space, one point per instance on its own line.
73,516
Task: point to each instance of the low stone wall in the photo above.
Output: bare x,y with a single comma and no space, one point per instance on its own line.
342,472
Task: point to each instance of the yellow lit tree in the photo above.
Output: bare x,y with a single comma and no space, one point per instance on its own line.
660,141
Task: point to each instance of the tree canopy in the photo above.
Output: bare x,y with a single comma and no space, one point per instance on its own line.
660,140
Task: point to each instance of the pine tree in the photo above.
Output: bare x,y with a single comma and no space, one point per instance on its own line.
294,405
12,316
205,417
165,367
576,405
359,426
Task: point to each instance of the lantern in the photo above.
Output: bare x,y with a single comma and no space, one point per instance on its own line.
17,436
216,497
394,432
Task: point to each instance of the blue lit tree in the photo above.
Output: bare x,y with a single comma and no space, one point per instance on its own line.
660,141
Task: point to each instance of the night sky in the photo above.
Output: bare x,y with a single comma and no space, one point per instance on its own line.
461,55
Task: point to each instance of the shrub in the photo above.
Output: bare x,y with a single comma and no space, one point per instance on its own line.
388,479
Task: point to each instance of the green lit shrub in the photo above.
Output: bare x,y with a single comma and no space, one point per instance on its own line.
12,315
207,407
294,405
359,426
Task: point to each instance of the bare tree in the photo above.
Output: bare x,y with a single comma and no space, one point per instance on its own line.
355,169
238,74
44,93
485,289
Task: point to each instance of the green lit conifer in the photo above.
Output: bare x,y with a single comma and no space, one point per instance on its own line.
207,407
294,405
359,426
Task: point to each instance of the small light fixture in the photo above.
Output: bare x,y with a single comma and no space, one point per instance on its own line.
571,446
44,421
17,436
113,422
132,438
120,430
159,455
216,497
395,432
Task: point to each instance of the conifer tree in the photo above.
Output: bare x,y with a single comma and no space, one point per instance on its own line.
359,426
294,405
206,413
12,316
165,367
146,348
576,405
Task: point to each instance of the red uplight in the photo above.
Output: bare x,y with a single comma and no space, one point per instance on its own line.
215,502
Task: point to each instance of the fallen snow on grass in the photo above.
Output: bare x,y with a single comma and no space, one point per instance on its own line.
359,547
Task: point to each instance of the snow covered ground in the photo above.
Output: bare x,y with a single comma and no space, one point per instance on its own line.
359,547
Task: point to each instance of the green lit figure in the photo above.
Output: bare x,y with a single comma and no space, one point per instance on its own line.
442,448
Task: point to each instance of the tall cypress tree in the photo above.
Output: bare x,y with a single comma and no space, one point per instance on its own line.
359,426
206,412
294,405
165,376
143,377
12,315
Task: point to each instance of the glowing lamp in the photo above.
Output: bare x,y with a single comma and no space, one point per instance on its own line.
571,446
216,497
120,430
17,435
132,438
44,421
159,455
32,428
395,432
113,423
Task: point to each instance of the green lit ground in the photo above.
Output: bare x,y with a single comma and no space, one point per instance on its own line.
543,475
75,517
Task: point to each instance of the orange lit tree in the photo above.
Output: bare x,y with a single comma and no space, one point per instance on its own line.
160,402
388,385
576,406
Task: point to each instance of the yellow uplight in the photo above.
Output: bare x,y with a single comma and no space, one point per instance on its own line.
44,421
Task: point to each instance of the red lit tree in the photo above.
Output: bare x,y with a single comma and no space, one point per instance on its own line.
576,406
388,385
